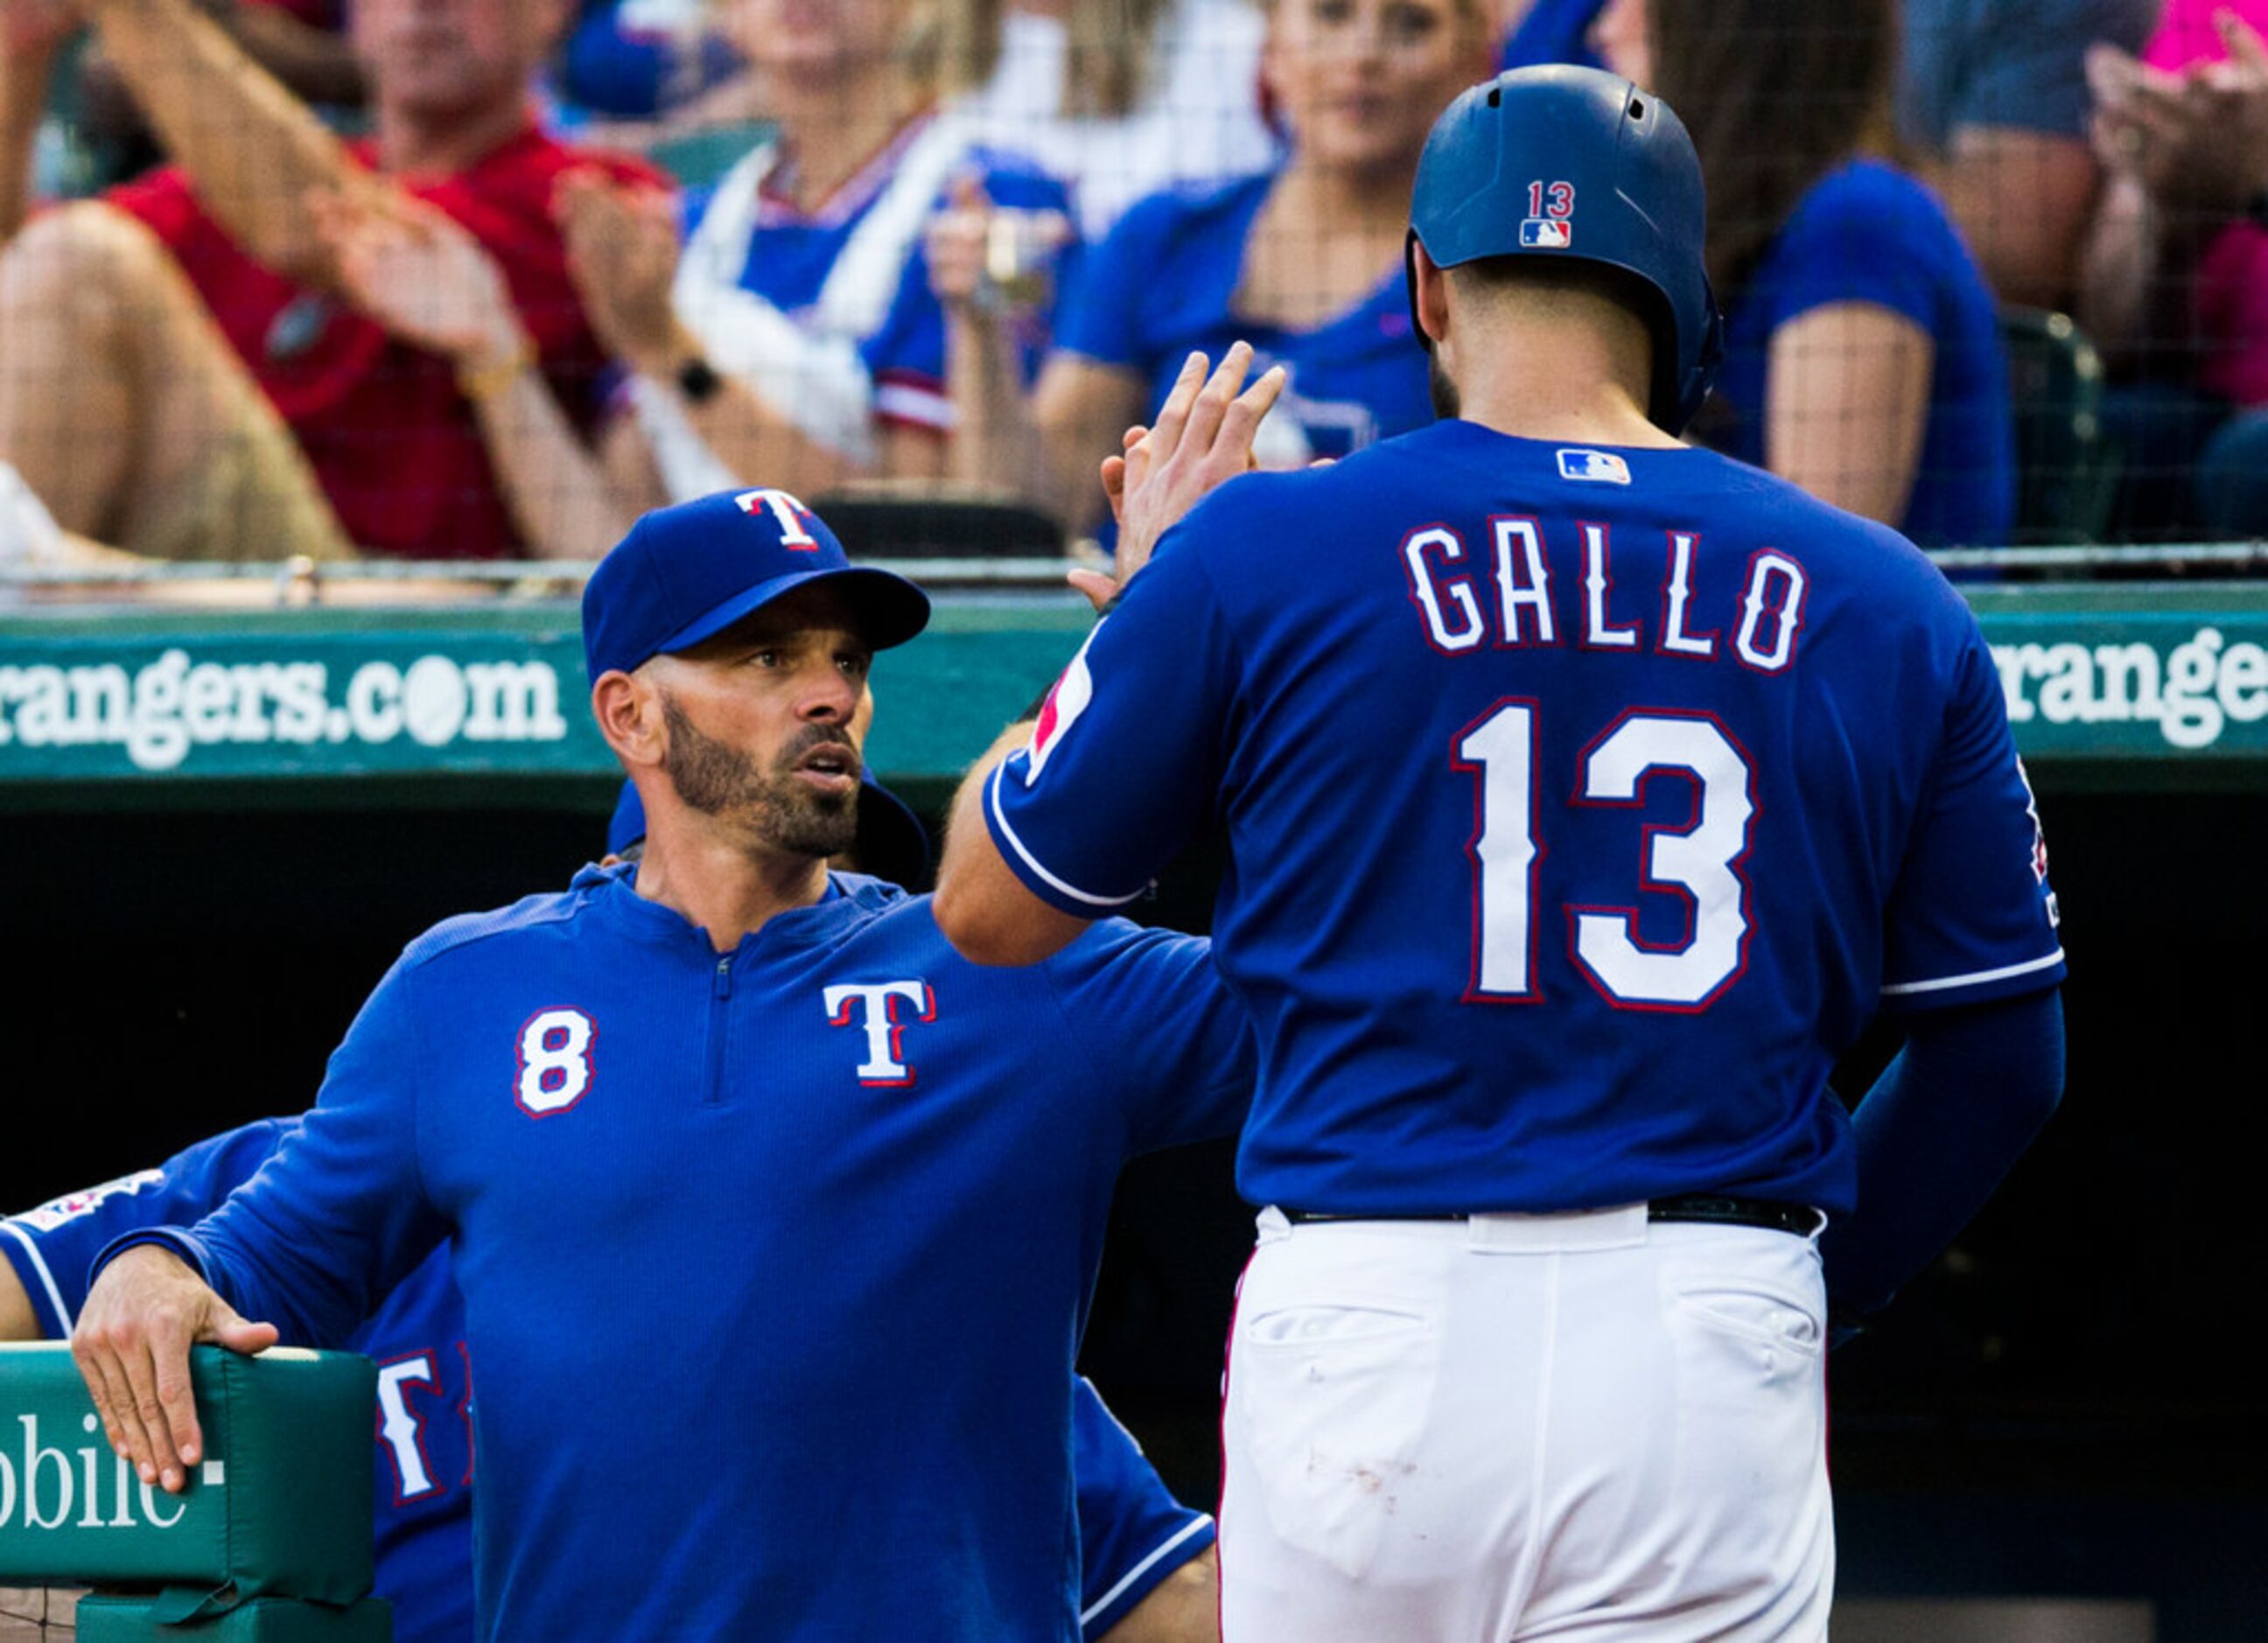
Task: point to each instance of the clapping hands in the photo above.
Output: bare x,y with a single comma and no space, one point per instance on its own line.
420,273
622,253
2196,140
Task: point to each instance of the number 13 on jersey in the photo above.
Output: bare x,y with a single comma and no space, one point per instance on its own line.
1699,862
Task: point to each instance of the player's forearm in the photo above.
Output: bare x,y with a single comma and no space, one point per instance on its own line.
1935,1135
23,100
559,496
981,905
965,818
1183,1607
253,149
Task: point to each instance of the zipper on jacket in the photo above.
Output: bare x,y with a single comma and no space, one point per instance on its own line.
720,994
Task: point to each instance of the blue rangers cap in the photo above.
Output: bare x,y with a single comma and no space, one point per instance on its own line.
686,573
1578,164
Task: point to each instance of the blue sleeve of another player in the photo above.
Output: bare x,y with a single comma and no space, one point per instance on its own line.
52,1247
1867,234
1133,1533
1126,758
1971,916
1147,1012
340,1216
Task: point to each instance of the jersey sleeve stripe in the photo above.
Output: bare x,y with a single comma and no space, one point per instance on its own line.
922,406
1197,1525
1975,977
58,1320
1008,833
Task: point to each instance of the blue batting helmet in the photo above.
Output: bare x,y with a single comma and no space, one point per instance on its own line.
1578,164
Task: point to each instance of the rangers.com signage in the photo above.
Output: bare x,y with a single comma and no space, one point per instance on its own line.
291,696
2174,675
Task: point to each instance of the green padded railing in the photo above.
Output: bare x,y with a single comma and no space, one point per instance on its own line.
279,1508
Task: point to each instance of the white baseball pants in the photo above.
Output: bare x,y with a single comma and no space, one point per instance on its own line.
1588,1426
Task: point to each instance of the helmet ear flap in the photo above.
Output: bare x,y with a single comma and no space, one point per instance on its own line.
1409,287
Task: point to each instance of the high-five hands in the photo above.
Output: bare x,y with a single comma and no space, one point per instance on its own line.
1203,438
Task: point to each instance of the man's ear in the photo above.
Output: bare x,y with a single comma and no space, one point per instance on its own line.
629,711
1430,288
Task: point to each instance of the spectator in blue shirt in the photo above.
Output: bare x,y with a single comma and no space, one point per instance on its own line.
1304,262
1863,359
794,340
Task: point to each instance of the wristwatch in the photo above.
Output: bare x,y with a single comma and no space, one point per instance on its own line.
698,381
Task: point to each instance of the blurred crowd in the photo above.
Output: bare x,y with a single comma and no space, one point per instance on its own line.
481,279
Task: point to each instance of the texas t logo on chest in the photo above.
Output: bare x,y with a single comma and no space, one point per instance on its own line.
883,1009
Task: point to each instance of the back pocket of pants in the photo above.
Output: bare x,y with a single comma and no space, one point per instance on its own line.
1334,1399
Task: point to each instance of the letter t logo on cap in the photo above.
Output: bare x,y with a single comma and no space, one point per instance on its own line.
790,512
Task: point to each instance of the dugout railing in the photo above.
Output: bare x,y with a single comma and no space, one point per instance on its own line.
182,677
271,1539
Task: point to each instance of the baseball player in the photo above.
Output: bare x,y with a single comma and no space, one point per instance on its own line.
1585,794
775,1221
1134,1537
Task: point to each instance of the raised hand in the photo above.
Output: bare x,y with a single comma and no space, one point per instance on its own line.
1202,438
987,258
622,253
421,273
953,243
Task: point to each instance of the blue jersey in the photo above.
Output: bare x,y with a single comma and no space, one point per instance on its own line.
773,1261
1580,805
417,1335
1132,1532
1165,282
1869,233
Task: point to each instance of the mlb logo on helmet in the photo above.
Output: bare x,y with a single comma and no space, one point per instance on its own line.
1543,233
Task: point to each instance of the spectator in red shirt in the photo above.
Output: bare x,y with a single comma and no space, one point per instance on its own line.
182,376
